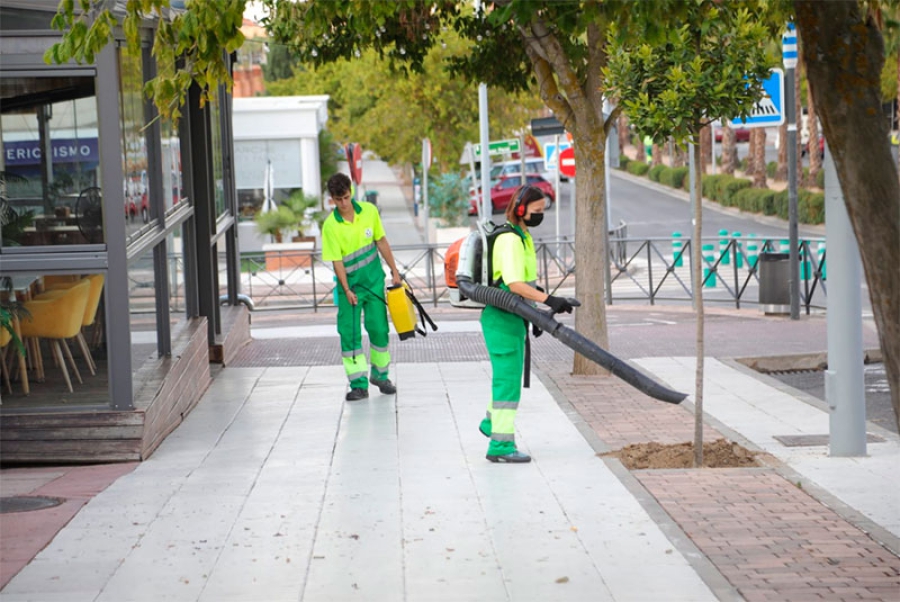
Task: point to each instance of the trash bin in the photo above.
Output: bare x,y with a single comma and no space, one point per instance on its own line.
372,196
774,283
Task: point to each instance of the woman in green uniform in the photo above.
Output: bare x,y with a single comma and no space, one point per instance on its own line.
514,267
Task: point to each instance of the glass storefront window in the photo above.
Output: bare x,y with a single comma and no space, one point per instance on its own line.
49,162
142,310
217,154
40,302
173,184
134,142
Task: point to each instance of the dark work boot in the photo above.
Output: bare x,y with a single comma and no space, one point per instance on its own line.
384,385
357,393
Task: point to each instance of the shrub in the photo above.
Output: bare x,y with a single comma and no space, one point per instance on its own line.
766,202
781,204
810,207
820,179
448,199
730,187
771,168
711,183
747,199
673,176
624,160
637,168
655,171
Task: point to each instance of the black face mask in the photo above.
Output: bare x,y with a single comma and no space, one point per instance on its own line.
534,220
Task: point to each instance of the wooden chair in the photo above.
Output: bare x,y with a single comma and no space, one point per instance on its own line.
56,320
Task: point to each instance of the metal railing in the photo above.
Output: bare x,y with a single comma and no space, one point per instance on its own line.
653,270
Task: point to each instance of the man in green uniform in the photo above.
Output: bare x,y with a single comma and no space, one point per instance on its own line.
352,238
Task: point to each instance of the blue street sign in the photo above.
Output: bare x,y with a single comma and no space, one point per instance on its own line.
550,153
769,110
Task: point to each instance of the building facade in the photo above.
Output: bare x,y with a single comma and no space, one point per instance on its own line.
121,224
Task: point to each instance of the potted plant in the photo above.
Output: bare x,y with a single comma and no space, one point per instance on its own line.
276,221
303,207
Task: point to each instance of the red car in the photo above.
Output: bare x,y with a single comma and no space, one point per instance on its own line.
740,134
503,190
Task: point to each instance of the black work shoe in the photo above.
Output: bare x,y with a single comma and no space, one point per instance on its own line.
384,385
515,457
357,393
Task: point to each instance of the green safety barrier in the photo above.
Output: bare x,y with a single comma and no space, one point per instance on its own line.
709,277
677,245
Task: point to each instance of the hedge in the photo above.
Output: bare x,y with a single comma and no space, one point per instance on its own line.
624,160
728,189
637,168
711,183
810,207
654,172
676,177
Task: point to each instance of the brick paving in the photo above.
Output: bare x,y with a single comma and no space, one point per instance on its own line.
771,539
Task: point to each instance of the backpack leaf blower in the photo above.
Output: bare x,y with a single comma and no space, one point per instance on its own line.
471,293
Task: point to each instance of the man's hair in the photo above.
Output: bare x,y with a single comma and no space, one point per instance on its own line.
523,196
338,185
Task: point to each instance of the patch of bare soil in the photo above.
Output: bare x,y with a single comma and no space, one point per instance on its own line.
716,454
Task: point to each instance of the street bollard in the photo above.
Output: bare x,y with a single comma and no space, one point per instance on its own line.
709,277
677,258
804,260
784,246
820,257
723,247
738,257
752,250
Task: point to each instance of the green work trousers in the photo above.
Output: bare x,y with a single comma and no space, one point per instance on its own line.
504,337
374,312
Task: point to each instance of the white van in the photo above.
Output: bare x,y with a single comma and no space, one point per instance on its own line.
532,165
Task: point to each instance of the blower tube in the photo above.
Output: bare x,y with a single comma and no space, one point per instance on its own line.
570,338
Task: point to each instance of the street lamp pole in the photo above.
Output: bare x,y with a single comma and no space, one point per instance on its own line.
789,53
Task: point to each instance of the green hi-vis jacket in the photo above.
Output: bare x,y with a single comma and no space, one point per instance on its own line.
354,244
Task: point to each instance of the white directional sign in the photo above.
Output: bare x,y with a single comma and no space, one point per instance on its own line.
769,111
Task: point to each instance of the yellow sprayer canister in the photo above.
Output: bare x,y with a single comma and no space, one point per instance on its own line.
403,314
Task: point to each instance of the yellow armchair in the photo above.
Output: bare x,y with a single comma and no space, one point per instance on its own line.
90,311
57,319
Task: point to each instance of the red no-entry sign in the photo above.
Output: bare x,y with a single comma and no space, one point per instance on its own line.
567,162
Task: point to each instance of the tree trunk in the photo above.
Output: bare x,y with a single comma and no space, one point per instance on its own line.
798,111
751,153
657,156
759,158
622,130
705,148
678,157
847,95
697,278
781,170
590,246
729,151
815,159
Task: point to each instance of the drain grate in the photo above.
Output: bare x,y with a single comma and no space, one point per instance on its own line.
27,503
814,440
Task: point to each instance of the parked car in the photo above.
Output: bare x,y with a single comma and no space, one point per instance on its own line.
506,186
740,134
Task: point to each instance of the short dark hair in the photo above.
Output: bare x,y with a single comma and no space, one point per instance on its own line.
338,185
523,195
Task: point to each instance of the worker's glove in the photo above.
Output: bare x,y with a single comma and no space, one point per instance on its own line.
536,331
561,304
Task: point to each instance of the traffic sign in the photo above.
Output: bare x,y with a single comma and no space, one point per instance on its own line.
567,162
550,153
499,147
769,110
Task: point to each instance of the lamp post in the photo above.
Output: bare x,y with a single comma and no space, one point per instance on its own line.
789,54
